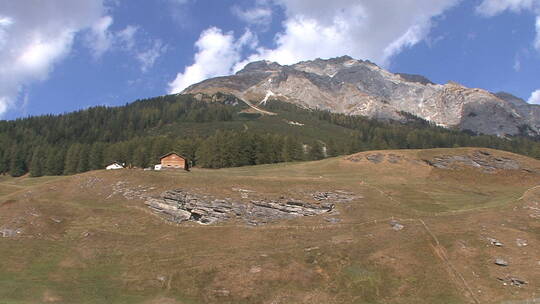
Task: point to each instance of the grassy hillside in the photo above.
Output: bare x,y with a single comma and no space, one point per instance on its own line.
89,238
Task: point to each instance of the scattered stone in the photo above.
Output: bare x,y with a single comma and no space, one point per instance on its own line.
478,159
255,269
90,182
514,281
501,262
244,193
518,282
338,196
56,220
6,232
396,225
332,220
375,158
311,248
521,243
130,193
161,278
393,158
222,292
495,242
180,206
354,158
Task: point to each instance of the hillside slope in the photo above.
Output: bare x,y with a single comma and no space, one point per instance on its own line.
213,131
406,226
357,87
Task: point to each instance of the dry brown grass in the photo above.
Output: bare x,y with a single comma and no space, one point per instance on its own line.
103,248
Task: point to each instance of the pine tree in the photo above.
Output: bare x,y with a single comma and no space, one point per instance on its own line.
332,149
72,159
55,160
140,157
83,159
4,161
17,166
96,156
37,165
160,146
292,150
315,152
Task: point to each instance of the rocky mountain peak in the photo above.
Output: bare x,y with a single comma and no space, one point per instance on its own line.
262,65
415,78
360,87
511,98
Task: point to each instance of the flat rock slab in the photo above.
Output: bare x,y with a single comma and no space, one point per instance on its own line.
181,206
484,160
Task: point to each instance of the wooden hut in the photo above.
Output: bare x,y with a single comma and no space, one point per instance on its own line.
173,160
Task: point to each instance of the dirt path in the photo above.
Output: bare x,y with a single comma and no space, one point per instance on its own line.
486,207
258,109
440,251
388,196
527,191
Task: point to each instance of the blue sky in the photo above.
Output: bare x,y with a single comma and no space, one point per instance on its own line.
61,55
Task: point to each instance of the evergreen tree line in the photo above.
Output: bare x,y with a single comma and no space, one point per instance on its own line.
135,134
416,133
113,124
223,149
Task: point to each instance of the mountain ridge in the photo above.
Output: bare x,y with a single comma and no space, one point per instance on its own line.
360,87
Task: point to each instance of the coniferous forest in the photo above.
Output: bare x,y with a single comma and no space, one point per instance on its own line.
213,135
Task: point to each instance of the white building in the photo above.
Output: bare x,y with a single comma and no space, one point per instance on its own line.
157,167
115,166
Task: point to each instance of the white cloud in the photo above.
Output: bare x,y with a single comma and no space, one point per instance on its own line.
517,63
34,35
127,36
494,7
5,23
148,57
535,97
100,38
537,39
374,30
260,15
217,53
490,8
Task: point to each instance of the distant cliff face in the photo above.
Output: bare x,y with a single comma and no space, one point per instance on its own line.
357,87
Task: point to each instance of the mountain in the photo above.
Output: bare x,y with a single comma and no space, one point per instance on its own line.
357,87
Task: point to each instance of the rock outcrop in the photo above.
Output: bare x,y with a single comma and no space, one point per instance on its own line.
357,87
479,159
180,206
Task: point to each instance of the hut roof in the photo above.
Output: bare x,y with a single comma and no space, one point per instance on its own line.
170,153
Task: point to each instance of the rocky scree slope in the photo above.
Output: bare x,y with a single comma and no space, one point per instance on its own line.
357,87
